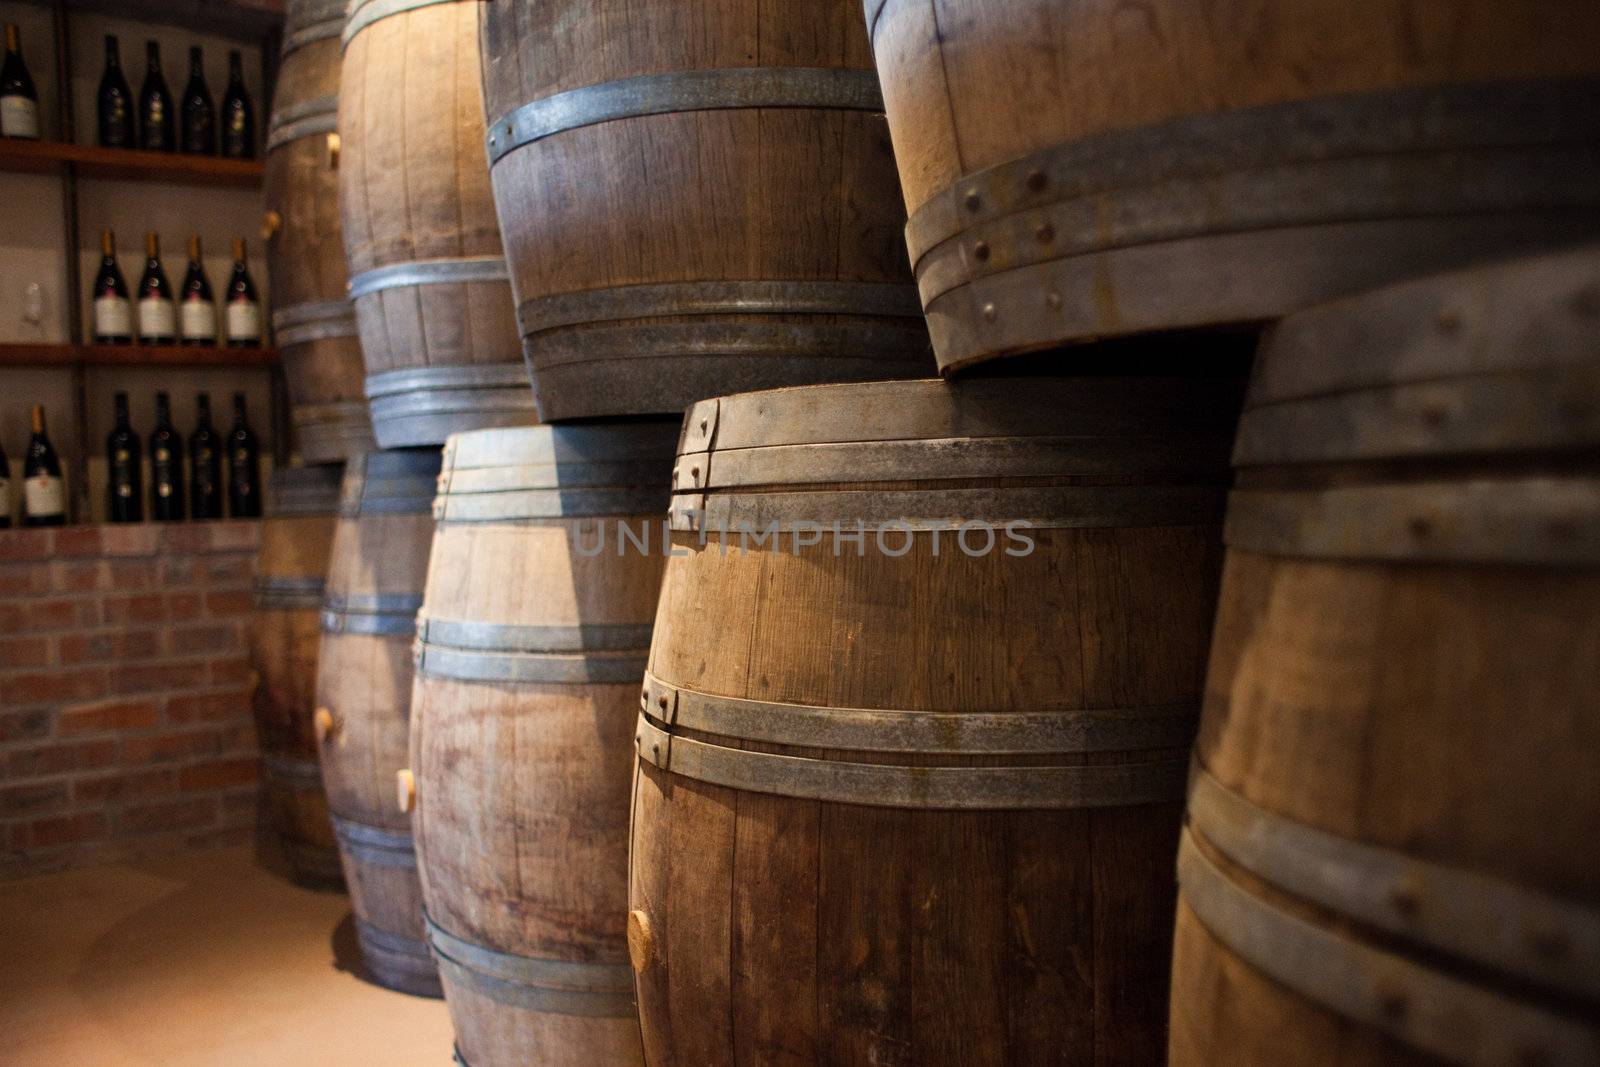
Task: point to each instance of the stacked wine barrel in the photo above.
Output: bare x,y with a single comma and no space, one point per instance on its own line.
438,329
373,590
296,542
313,324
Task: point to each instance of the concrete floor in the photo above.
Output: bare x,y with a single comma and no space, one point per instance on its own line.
201,959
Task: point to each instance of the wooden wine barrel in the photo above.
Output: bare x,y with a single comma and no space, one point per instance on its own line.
380,558
438,327
1389,856
313,323
697,199
531,643
296,539
914,799
1076,171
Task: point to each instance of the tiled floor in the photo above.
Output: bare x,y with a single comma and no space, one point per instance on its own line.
203,959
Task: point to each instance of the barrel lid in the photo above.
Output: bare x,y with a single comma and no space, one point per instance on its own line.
1495,358
392,481
308,490
941,453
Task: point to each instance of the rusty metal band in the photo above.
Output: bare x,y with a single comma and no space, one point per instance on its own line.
300,323
970,512
1423,1007
382,614
364,13
933,732
716,298
1515,411
561,987
1320,160
374,844
451,270
1488,921
297,773
888,785
320,114
294,40
288,594
872,343
558,655
1532,521
728,88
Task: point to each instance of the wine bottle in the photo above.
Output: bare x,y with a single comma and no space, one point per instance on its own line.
238,117
124,481
197,309
5,490
19,101
113,310
44,494
158,319
114,105
199,114
156,132
166,466
244,466
205,464
243,309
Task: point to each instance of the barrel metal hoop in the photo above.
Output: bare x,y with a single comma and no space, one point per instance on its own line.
1531,521
319,321
367,12
300,773
563,987
374,844
982,512
1534,936
874,344
311,34
1423,1007
446,270
471,635
906,730
622,473
890,299
417,503
886,785
320,114
1287,160
552,504
683,91
288,593
539,668
384,614
391,942
471,376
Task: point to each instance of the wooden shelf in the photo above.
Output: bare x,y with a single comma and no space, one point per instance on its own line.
64,355
37,157
245,20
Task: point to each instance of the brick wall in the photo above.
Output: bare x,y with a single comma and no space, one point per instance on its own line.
125,722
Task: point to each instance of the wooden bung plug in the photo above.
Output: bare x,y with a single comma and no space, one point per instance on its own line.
641,941
271,223
323,723
405,789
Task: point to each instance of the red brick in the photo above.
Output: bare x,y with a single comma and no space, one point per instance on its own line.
208,707
132,573
25,725
239,535
241,740
206,639
80,575
114,788
240,603
240,805
109,715
25,544
78,541
182,606
143,607
66,829
219,774
133,539
182,539
230,671
38,798
168,815
17,653
24,579
153,749
34,615
180,570
109,645
64,757
43,687
228,570
157,677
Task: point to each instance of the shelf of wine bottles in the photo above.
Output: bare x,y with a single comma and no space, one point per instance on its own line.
156,314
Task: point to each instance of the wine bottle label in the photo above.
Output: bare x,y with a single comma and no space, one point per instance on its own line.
44,495
199,320
19,117
157,318
113,316
5,498
244,321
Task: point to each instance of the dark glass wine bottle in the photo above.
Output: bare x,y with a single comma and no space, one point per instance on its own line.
238,117
205,464
244,466
197,308
5,490
166,466
243,308
114,105
156,128
199,114
44,494
124,480
158,318
113,310
19,101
